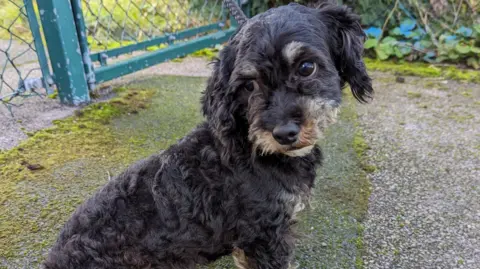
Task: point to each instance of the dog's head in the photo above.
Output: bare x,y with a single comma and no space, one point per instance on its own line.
278,82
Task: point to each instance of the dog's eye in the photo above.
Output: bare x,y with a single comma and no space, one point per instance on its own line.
306,69
249,86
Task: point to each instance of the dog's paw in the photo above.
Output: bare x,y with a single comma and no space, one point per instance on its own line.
293,265
240,259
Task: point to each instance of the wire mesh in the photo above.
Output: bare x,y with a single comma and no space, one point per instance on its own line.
116,23
109,24
20,70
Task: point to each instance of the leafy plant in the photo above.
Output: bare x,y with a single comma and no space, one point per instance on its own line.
410,42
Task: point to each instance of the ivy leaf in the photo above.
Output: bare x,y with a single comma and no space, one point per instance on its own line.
473,62
397,52
381,54
467,32
389,40
426,43
370,43
440,59
430,54
477,28
475,50
448,39
374,32
387,48
428,59
416,35
418,45
405,50
407,25
452,55
396,31
462,48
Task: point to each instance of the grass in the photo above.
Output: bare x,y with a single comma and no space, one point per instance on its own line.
77,155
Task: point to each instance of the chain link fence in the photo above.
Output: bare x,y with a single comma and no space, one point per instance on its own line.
112,24
21,62
113,36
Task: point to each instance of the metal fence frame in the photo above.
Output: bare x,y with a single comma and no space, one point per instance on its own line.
71,67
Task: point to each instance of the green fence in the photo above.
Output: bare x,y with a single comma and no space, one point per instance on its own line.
75,45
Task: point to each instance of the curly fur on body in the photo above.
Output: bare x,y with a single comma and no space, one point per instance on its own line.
234,184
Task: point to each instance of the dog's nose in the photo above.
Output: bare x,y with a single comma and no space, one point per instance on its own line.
286,134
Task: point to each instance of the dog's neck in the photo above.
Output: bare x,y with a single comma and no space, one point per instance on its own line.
293,173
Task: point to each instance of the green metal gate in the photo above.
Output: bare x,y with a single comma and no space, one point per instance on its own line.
80,44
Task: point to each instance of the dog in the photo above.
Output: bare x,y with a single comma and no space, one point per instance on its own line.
234,184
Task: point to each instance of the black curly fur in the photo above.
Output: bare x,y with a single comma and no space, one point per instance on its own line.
212,192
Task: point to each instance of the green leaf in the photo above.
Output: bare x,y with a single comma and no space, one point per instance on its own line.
389,40
395,31
475,50
477,28
473,62
381,54
426,43
397,52
440,59
452,55
386,48
462,49
405,50
370,43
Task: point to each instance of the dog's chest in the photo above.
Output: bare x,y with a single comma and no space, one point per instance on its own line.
294,202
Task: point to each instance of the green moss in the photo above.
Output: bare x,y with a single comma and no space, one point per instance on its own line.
423,105
424,70
359,144
430,84
467,93
460,117
412,95
208,53
54,95
85,135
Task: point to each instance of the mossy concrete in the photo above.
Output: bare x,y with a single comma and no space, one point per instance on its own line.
424,70
76,156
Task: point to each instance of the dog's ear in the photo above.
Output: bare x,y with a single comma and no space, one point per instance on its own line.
347,38
218,100
217,84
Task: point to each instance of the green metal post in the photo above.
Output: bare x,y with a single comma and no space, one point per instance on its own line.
82,38
64,51
246,7
39,48
234,22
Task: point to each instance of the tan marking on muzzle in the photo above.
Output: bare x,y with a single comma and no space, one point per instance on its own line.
318,115
266,143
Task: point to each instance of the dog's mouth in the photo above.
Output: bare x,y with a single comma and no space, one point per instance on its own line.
298,151
310,133
266,144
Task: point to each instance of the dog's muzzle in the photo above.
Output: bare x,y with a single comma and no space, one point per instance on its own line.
286,134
